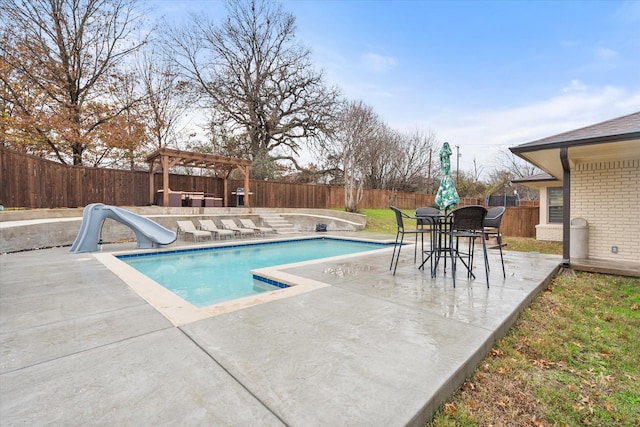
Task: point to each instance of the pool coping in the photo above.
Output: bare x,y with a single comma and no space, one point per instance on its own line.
181,312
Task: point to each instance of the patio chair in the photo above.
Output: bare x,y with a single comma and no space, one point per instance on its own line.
400,217
230,224
187,227
428,217
467,222
247,223
492,229
210,226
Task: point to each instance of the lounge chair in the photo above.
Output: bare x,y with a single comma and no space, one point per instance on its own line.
247,223
230,224
210,226
187,227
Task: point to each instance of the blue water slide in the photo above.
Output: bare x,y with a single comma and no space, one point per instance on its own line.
149,234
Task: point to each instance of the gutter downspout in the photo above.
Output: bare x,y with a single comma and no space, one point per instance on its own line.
566,206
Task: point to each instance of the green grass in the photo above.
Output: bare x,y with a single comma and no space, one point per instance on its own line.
571,359
529,244
381,220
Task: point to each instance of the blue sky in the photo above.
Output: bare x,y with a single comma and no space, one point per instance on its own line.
482,75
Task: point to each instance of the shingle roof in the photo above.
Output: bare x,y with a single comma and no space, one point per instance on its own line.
621,128
539,177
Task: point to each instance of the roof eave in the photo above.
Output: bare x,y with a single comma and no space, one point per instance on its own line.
533,146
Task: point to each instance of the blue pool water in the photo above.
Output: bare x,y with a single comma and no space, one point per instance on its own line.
207,276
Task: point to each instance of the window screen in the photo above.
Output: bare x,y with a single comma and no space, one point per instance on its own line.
555,205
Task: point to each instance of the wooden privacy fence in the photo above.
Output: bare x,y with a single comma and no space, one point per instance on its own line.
31,182
520,221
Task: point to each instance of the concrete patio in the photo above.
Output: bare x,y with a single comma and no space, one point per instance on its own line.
79,346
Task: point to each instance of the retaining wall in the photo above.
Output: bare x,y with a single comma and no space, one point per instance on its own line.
44,228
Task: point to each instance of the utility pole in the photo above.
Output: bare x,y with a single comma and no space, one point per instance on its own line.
429,174
458,165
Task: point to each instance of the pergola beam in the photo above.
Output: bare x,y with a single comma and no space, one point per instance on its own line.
168,158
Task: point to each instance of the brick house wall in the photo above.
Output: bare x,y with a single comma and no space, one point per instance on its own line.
607,195
551,232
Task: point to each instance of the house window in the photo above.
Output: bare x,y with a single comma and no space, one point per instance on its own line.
555,205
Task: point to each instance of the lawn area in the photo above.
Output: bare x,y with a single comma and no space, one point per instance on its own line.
571,359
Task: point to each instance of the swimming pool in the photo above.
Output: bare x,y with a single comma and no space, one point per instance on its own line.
212,275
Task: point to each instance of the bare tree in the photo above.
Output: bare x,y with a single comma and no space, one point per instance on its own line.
354,144
477,170
512,167
166,97
259,83
411,167
397,160
518,167
381,157
62,58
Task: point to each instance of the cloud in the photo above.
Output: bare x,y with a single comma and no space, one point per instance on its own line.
482,135
575,86
602,59
378,63
341,72
605,54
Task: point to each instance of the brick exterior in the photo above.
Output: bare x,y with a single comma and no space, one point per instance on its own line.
552,232
607,195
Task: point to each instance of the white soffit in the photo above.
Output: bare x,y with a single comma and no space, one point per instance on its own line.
549,160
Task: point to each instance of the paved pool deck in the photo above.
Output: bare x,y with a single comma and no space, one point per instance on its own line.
80,347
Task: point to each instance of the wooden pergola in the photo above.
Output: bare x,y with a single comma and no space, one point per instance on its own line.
166,158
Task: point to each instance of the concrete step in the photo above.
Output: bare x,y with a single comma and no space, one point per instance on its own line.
286,231
279,224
